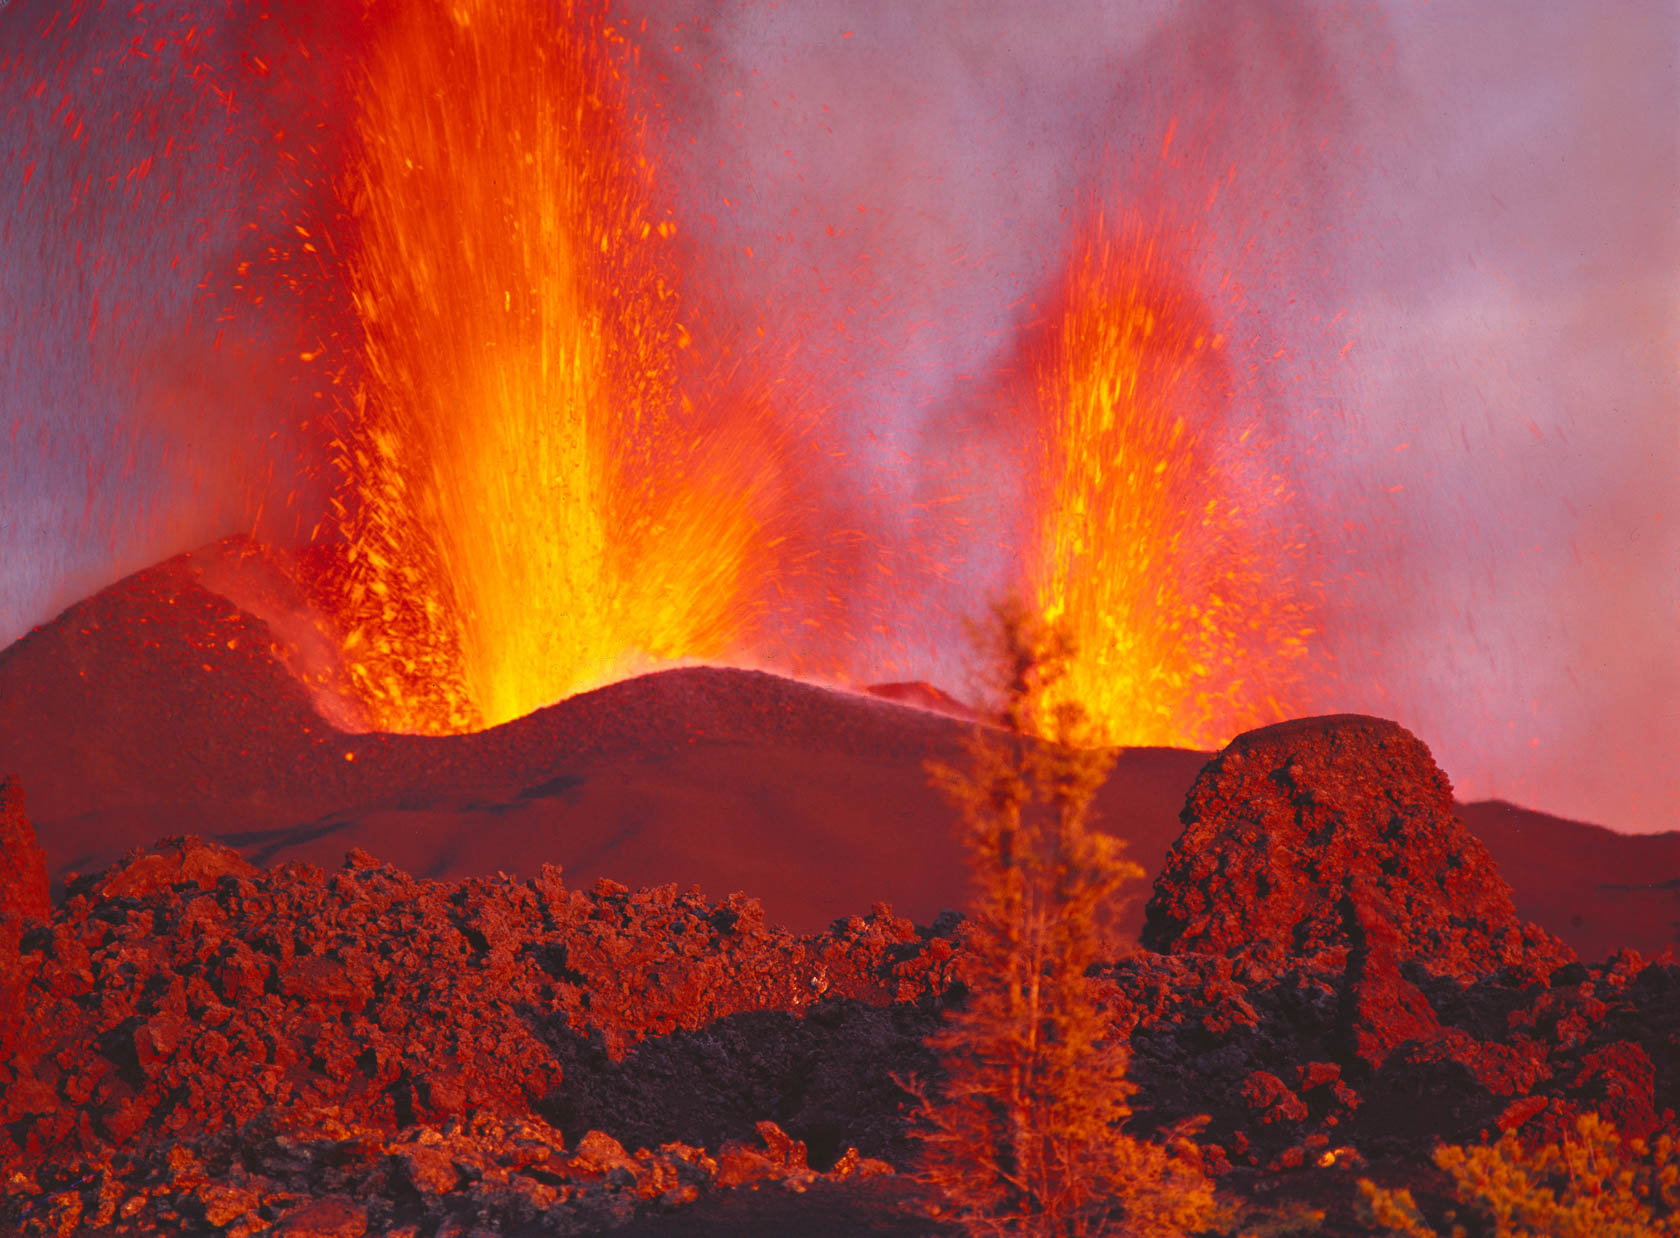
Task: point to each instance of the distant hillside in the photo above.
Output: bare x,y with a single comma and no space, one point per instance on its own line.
158,707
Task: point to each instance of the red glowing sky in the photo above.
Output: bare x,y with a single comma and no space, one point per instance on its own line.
1453,226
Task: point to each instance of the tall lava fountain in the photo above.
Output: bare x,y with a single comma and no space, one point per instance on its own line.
1155,540
526,504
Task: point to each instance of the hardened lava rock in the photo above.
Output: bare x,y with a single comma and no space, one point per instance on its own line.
1338,833
23,875
23,897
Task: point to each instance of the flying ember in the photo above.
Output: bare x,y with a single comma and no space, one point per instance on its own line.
524,510
1158,538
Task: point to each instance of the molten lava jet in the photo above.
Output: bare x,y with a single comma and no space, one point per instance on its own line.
527,505
1158,537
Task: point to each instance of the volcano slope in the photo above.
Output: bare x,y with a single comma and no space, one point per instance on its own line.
206,1046
161,707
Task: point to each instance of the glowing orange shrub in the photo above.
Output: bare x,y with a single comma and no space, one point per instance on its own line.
1597,1185
1025,1137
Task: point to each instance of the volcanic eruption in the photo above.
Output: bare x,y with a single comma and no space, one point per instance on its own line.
556,413
1152,542
545,483
545,473
530,500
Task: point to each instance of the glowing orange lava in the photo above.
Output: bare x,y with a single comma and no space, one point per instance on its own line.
527,507
1156,540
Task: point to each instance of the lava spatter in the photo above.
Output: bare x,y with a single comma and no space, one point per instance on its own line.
1155,536
527,505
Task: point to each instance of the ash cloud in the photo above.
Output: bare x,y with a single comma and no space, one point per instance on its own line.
1511,400
139,416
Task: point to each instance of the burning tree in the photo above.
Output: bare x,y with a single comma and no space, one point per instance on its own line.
1025,1136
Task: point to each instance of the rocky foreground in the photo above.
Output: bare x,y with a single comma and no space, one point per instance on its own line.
1332,973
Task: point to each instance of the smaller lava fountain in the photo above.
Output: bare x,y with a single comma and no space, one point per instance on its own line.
1156,542
527,504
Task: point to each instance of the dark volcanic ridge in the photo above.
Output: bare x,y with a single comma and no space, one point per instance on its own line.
160,707
206,1046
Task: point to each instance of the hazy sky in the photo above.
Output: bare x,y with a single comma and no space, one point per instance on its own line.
1455,220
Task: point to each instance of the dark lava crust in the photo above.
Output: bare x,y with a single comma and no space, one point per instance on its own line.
1335,978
